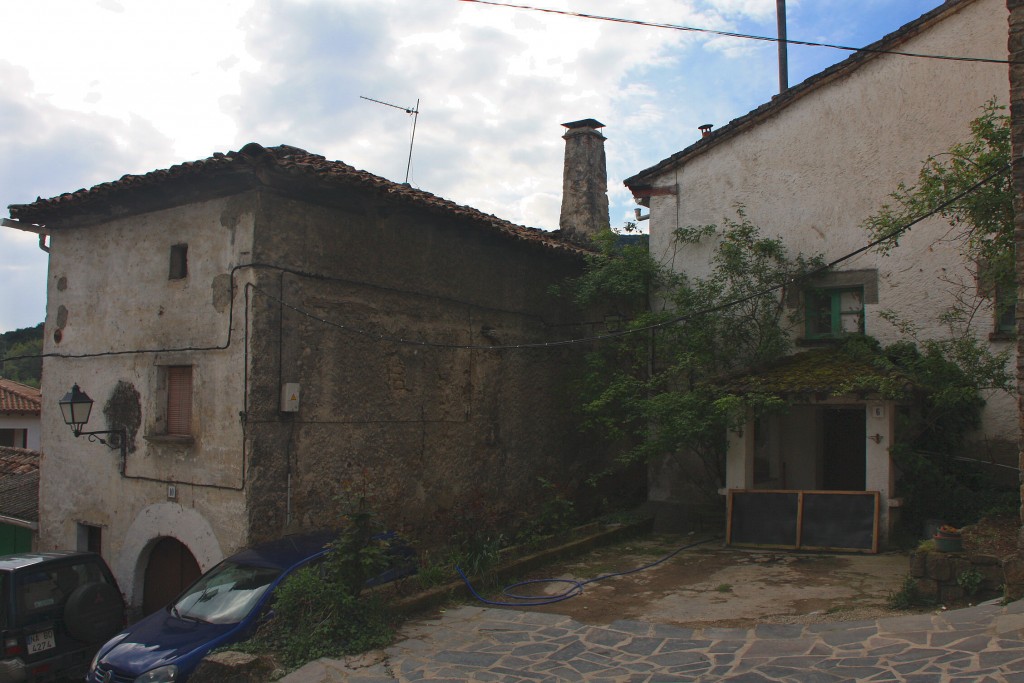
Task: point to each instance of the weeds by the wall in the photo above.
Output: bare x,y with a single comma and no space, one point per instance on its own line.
970,580
319,610
907,596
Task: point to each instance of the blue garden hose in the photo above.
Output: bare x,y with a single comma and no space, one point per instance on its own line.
574,588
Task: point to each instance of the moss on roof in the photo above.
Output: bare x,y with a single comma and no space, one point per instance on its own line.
828,372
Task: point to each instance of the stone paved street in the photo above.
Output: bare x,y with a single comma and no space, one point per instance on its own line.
977,644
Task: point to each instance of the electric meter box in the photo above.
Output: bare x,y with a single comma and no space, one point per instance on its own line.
290,397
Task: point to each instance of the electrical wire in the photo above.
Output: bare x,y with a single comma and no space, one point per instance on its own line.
377,336
891,235
574,588
744,36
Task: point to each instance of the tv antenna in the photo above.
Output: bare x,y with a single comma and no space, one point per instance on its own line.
415,111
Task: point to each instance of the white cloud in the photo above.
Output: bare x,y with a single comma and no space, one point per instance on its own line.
127,86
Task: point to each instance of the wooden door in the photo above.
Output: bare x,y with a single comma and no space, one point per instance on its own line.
170,570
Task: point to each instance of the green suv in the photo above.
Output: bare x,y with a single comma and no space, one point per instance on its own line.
56,609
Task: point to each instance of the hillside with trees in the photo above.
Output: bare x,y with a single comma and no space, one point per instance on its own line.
25,344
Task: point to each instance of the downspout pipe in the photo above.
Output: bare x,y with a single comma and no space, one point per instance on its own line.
8,223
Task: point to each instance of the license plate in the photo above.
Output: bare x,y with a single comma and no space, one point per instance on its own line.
37,642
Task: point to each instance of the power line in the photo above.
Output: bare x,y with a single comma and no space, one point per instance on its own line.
892,234
744,36
377,336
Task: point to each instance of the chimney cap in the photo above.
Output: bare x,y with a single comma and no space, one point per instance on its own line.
584,123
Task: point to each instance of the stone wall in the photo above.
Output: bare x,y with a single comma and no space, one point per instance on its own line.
1016,56
939,576
386,318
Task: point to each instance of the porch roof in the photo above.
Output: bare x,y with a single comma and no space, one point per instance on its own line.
818,373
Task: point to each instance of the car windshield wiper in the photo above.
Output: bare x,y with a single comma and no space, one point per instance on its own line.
186,617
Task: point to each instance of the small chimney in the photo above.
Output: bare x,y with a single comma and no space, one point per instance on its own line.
584,180
705,130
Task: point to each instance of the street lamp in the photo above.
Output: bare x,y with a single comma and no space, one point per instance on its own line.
76,407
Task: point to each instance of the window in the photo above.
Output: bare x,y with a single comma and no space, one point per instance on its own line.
90,538
832,313
1006,310
179,262
179,400
998,285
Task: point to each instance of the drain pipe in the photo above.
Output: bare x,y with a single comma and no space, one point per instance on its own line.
17,225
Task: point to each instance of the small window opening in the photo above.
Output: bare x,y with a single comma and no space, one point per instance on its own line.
90,538
1006,309
179,262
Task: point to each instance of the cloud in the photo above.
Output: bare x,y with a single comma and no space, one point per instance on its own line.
118,87
494,85
44,151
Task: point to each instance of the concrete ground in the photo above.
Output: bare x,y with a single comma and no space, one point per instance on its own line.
710,585
707,614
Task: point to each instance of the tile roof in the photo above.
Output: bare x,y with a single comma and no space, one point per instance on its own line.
15,461
781,101
255,165
19,484
17,398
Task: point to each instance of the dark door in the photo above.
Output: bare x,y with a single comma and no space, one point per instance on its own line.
844,462
170,570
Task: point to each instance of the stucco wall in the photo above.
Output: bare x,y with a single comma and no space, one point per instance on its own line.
815,170
430,434
118,319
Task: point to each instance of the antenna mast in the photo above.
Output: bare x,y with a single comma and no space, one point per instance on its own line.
415,111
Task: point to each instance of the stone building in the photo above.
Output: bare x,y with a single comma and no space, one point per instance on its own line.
281,335
810,166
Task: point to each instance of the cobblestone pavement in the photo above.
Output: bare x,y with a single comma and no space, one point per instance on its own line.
977,644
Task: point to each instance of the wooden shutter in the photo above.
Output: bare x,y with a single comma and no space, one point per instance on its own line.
179,399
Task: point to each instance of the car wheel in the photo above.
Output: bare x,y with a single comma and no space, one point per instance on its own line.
94,612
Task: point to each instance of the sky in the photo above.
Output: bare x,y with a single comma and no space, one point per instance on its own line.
95,89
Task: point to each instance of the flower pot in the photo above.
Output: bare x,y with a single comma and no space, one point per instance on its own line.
949,543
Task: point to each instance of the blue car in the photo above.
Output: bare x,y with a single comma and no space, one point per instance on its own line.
224,606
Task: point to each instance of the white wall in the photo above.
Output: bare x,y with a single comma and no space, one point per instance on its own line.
29,423
815,170
110,297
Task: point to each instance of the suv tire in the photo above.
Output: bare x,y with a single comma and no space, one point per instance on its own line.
93,612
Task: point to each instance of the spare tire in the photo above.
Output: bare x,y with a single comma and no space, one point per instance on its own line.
94,612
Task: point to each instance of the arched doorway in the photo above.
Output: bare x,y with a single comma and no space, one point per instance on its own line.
171,568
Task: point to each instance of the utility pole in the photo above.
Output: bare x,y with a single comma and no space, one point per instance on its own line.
780,10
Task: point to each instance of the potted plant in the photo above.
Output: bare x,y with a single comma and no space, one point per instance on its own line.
948,539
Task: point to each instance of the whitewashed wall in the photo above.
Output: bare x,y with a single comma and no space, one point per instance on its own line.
815,170
110,297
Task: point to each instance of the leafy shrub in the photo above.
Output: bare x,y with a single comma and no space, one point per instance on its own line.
317,617
319,611
970,580
907,596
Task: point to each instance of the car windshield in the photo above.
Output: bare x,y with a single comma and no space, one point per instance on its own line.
226,594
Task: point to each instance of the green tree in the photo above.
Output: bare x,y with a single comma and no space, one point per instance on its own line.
969,186
26,345
648,387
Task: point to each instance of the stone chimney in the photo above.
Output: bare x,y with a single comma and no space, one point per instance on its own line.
584,181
